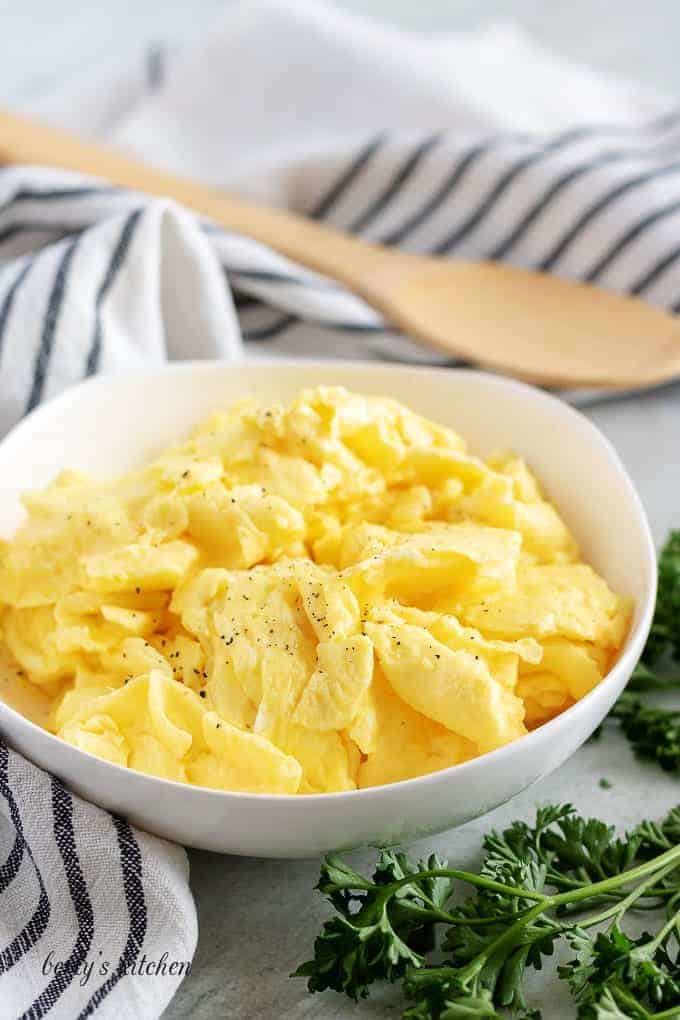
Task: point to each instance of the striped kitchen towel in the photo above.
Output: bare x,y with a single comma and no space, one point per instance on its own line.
95,917
471,146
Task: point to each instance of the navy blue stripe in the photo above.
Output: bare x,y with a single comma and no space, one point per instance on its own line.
499,188
245,300
400,178
501,249
404,359
12,863
654,272
324,206
64,835
54,304
10,866
131,864
112,270
339,188
460,168
658,123
17,229
54,194
38,922
269,332
559,142
57,194
597,207
265,276
283,323
8,302
627,238
353,327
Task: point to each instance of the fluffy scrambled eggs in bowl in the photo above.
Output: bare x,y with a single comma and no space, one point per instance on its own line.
315,591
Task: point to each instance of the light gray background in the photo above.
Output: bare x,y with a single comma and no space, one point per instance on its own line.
42,41
258,918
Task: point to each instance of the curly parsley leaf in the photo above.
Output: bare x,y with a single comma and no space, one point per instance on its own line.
654,733
383,924
637,976
664,637
658,836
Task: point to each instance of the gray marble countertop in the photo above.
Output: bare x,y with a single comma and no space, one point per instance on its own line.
258,918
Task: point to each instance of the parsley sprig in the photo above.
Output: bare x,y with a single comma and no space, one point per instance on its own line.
563,878
664,637
652,730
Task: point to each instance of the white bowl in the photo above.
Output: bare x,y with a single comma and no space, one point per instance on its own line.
109,424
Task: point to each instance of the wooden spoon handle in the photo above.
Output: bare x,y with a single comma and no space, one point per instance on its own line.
320,248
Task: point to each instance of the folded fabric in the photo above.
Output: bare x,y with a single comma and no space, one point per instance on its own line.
477,146
94,915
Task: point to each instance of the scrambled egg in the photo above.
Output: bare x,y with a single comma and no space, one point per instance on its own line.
301,599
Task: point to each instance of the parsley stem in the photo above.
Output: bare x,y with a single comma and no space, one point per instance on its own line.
505,938
661,935
621,906
616,881
435,913
471,879
472,922
606,885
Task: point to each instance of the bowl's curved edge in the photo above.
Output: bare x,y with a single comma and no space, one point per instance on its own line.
593,707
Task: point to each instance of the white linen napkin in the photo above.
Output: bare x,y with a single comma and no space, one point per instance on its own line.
478,145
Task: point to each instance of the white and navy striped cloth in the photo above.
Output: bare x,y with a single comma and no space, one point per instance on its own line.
480,147
92,913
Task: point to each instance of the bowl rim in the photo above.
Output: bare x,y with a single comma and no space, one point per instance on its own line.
632,649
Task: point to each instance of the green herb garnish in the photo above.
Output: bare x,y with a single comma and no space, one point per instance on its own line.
654,731
664,637
564,878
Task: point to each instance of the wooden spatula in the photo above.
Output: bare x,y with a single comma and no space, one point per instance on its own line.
532,325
